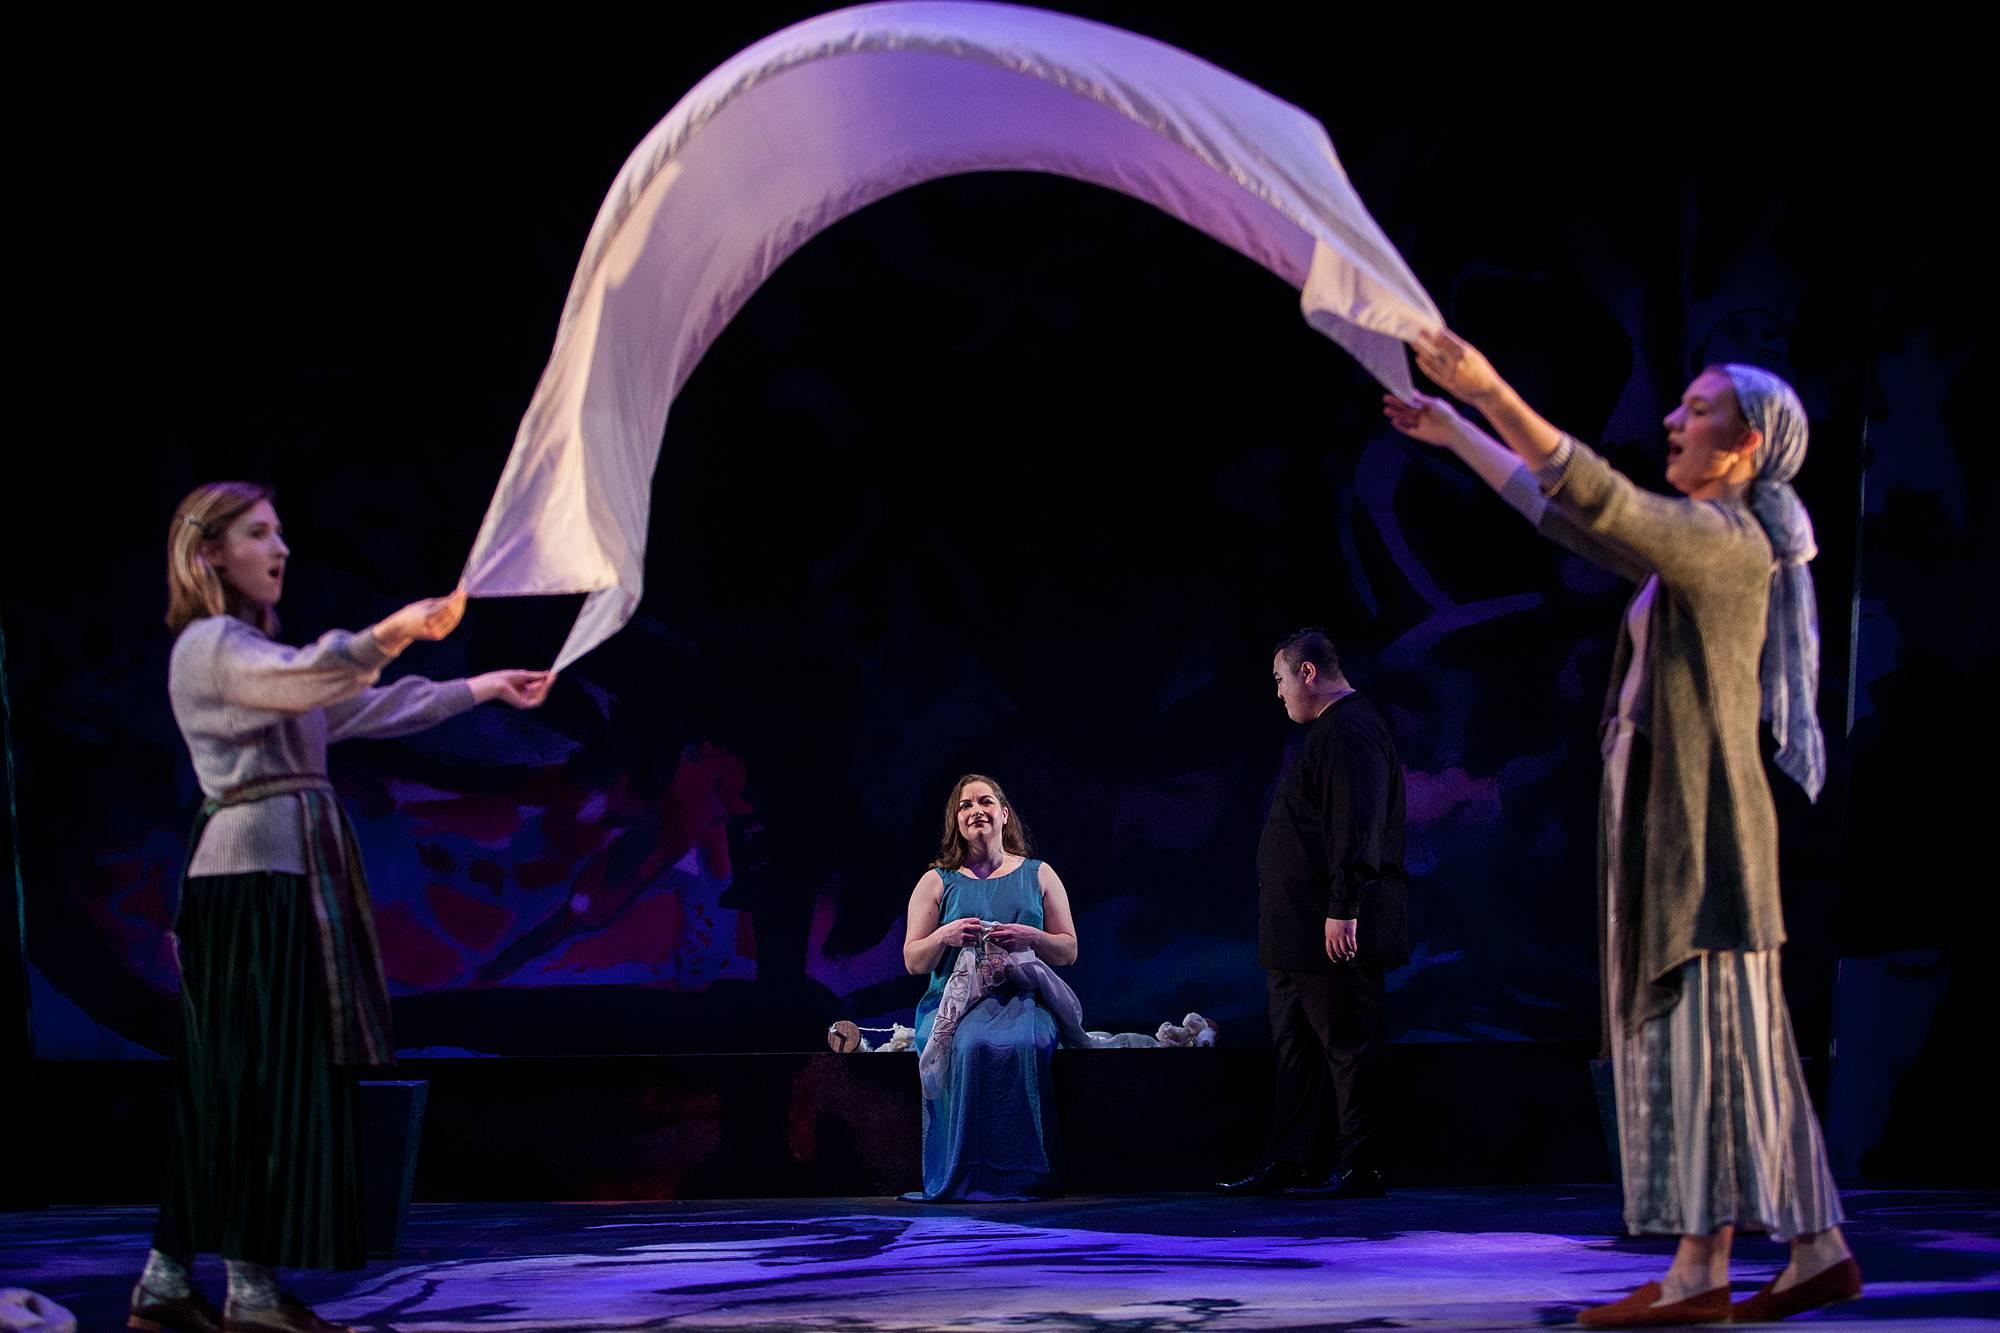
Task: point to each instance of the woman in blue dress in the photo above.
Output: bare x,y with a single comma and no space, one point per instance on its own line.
990,1132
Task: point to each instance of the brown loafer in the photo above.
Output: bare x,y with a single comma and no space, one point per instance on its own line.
181,1314
1639,1311
1842,1282
289,1315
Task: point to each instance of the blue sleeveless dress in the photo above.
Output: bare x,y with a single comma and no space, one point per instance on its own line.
991,1133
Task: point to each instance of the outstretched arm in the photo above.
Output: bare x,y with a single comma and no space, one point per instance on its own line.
1436,421
414,704
1629,530
1463,371
1602,516
255,675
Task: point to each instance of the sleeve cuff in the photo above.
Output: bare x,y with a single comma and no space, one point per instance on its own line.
364,651
1523,493
1551,475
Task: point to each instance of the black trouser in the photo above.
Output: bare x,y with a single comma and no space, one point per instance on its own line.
1327,1027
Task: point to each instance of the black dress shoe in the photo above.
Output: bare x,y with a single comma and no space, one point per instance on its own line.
1268,1178
1357,1182
181,1314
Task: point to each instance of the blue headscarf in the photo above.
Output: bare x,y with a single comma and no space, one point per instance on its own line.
1789,670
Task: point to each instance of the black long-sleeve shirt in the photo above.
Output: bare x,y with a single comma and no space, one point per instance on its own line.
1333,845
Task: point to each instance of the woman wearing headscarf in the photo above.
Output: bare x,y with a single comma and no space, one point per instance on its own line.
1715,1129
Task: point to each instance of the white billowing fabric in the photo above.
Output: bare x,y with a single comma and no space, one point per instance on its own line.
815,122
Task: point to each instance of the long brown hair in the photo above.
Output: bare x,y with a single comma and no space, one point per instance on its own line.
1013,838
194,589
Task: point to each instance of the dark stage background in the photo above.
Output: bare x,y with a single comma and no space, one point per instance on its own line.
1006,473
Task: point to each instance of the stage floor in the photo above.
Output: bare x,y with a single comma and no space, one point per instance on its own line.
1421,1259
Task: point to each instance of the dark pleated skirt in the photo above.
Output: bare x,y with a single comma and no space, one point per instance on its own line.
264,1164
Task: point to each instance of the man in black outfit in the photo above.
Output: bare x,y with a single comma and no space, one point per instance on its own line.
1332,916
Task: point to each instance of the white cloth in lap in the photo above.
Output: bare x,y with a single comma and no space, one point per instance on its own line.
1023,970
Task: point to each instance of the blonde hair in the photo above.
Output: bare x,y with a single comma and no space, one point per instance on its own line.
194,589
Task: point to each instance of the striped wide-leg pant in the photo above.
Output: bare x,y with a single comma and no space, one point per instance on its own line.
1715,1127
